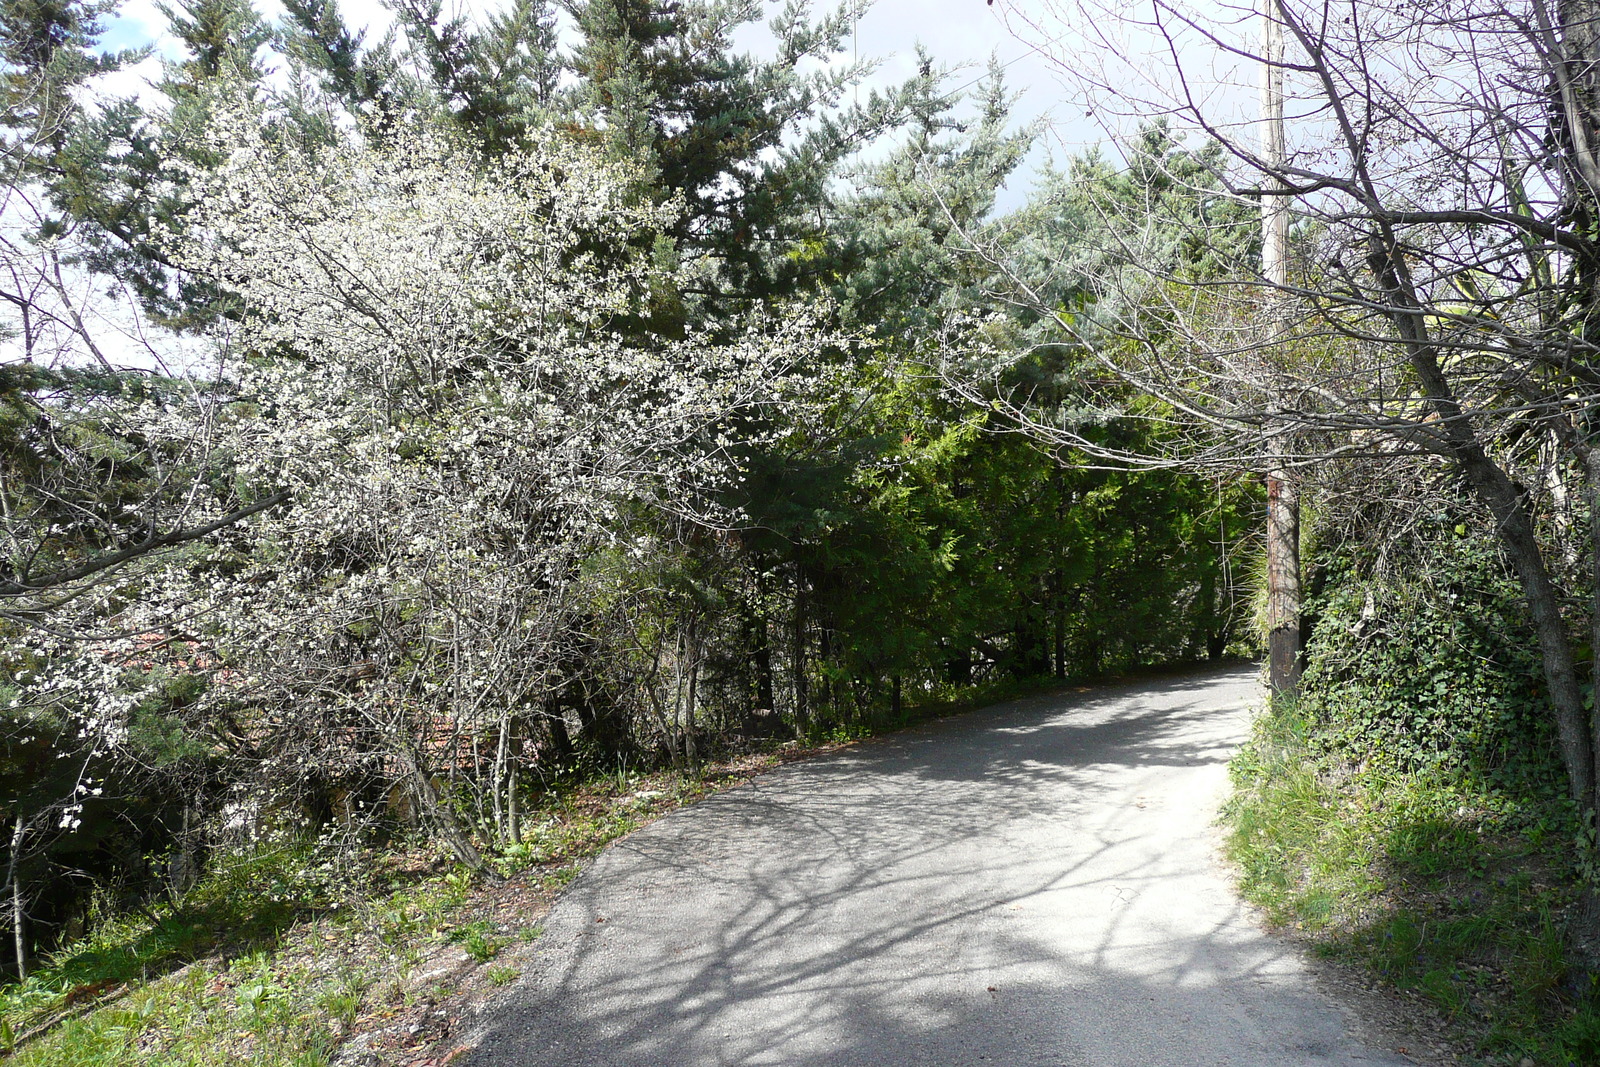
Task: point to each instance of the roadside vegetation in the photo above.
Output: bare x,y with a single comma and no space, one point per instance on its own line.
282,954
463,443
291,954
514,413
1407,812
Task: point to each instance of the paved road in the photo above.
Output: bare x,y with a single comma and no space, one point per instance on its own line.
1033,884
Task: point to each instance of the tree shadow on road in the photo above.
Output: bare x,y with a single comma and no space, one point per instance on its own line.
985,890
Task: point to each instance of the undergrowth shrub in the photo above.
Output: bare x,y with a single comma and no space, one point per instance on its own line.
1408,810
1434,881
1429,672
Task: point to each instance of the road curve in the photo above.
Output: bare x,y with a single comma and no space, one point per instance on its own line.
1031,884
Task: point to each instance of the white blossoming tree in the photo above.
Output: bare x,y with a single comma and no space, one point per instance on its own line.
427,357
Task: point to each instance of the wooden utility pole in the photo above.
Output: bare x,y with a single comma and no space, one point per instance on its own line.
1283,503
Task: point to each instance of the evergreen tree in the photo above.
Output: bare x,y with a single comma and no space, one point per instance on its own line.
748,146
48,51
897,261
367,80
494,81
115,179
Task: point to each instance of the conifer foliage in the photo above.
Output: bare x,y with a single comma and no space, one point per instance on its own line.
523,411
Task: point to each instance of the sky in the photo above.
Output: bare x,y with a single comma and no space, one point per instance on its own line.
957,33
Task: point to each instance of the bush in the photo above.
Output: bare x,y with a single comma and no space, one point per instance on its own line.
1425,672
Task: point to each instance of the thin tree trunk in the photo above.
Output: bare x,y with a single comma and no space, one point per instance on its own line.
1591,463
1560,671
761,644
432,807
1058,618
556,724
802,701
513,789
691,750
19,933
675,739
1513,523
1577,88
499,775
513,807
183,871
1058,581
1583,932
1575,65
1209,616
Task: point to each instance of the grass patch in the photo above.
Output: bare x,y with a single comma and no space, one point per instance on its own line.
503,975
260,963
248,1010
1435,882
282,954
279,956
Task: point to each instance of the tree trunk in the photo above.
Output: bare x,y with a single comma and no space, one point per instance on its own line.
1058,614
1058,581
183,870
1576,67
506,781
19,933
431,806
1591,464
513,804
763,663
1514,525
1207,625
555,723
760,643
802,696
691,696
1544,605
497,774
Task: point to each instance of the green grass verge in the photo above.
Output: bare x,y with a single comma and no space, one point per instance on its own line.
1434,882
279,954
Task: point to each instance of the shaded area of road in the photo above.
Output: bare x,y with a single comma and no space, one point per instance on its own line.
1032,884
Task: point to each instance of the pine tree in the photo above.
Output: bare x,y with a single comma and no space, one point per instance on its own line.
748,146
47,51
495,81
113,178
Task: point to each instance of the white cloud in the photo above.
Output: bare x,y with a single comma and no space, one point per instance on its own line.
136,80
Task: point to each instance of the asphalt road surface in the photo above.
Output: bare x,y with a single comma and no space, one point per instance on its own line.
1032,884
